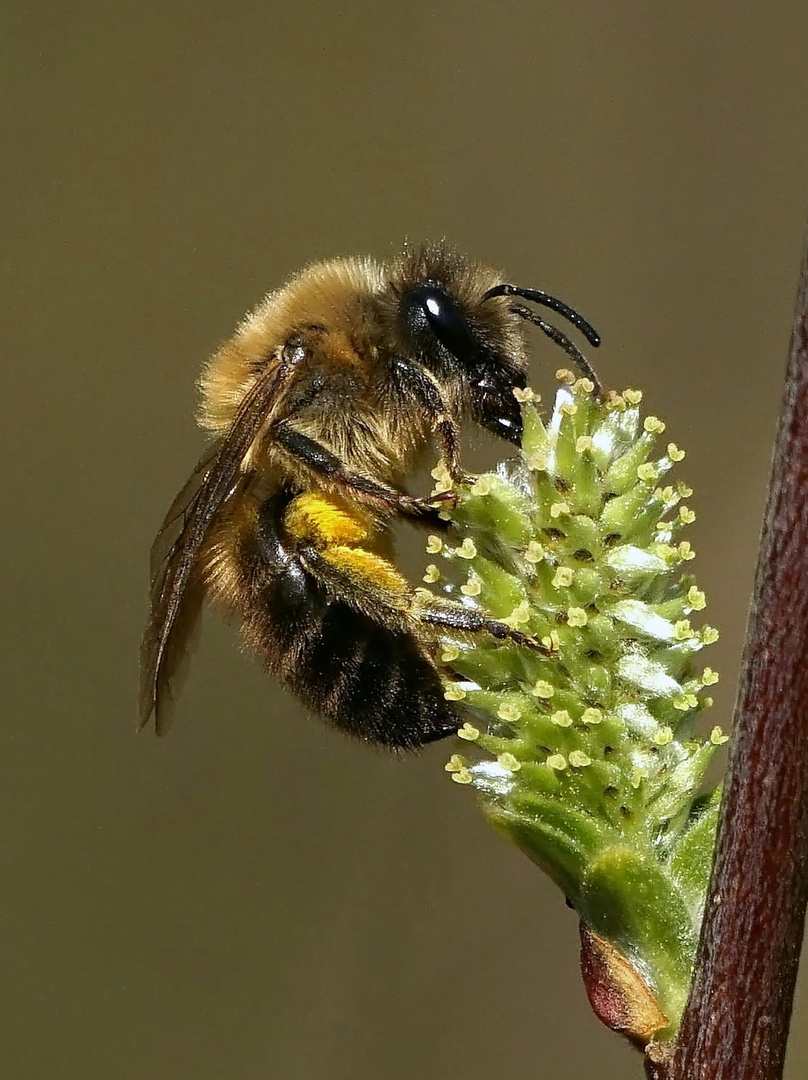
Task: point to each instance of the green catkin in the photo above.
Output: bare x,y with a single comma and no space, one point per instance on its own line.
582,752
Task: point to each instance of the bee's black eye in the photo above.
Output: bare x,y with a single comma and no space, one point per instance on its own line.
431,306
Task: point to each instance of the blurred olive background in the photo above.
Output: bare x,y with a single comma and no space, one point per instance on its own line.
253,897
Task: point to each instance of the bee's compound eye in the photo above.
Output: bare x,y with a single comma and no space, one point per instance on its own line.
434,307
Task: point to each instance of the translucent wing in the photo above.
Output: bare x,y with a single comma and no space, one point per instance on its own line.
176,591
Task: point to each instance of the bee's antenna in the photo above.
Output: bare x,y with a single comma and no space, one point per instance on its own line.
569,347
537,296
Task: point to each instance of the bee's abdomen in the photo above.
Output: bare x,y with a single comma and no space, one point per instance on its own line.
334,639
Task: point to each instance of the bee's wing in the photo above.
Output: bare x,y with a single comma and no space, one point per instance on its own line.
178,514
176,591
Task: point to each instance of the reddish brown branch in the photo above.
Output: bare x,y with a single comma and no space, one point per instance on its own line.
736,1023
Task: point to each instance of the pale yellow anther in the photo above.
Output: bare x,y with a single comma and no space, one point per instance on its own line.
584,386
647,472
561,718
467,550
534,552
682,630
473,587
685,551
462,776
557,762
664,736
537,461
562,579
667,494
432,574
509,711
686,702
709,677
509,762
558,509
633,397
638,774
674,452
564,375
552,641
591,716
519,616
434,544
653,425
468,732
454,693
717,737
614,400
579,760
443,481
686,515
583,443
543,689
455,762
696,598
576,616
664,551
450,653
523,396
709,635
483,485
684,489
568,408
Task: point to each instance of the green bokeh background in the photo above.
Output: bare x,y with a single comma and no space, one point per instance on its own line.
253,897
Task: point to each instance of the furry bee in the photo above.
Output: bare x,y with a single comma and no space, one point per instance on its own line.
322,403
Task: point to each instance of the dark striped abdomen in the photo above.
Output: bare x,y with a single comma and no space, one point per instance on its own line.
365,672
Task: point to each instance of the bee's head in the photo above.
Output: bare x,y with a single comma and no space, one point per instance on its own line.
455,318
475,345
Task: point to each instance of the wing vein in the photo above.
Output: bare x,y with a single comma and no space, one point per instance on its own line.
175,597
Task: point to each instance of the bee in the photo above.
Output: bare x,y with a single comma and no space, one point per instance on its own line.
320,406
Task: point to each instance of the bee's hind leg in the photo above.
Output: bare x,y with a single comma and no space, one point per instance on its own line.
469,621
